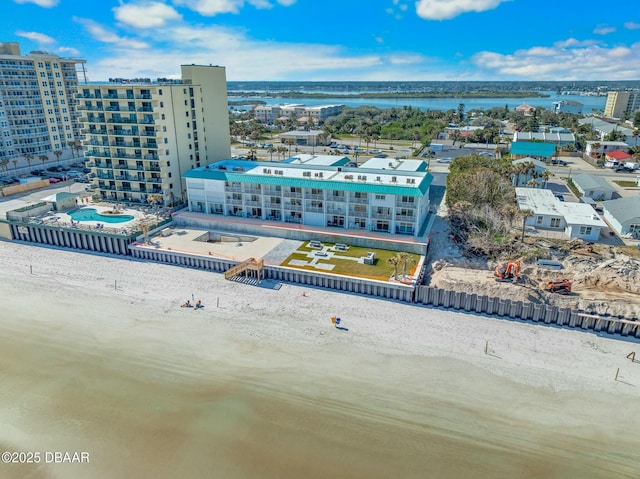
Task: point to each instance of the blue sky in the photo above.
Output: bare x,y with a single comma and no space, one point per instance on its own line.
331,40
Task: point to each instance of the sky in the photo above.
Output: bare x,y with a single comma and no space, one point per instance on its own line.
336,40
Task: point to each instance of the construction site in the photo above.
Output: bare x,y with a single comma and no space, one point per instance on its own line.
594,278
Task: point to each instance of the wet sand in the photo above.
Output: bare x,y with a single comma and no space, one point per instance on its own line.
264,387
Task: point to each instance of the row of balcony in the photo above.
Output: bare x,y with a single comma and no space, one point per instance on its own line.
129,189
113,96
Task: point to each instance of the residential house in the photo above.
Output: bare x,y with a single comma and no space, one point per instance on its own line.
605,128
526,109
616,158
576,220
537,150
602,147
623,214
595,187
557,138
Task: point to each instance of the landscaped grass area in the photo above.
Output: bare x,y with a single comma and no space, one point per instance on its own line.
381,269
626,184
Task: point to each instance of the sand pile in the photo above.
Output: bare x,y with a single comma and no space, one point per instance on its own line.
604,287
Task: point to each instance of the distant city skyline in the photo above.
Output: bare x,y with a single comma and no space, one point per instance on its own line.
300,40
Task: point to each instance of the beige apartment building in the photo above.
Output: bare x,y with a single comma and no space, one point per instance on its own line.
621,103
142,137
37,106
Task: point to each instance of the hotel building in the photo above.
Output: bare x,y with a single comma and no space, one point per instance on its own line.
140,138
37,106
621,103
386,196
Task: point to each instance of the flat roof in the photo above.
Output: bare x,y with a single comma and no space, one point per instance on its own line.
367,180
531,148
540,201
590,182
580,214
395,164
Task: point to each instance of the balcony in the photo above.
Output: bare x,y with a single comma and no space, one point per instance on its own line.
406,218
252,190
125,144
101,154
119,132
234,201
311,196
126,155
88,131
360,201
253,202
150,145
381,216
94,142
406,204
121,120
88,108
290,194
314,209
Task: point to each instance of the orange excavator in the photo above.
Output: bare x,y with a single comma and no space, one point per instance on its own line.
562,286
509,271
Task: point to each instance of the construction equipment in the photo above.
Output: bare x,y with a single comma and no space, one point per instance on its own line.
562,286
509,271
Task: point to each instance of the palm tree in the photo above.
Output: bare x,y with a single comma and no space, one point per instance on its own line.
28,157
393,260
289,142
154,199
3,164
545,177
43,159
58,154
271,150
525,214
405,258
375,139
15,164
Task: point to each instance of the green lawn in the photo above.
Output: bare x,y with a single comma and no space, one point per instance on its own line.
381,269
626,184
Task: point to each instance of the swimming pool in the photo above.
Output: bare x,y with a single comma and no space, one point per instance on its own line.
90,214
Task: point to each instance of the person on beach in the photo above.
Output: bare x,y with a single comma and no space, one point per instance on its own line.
187,304
199,305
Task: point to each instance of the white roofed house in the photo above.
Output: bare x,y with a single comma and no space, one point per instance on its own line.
624,215
575,220
593,186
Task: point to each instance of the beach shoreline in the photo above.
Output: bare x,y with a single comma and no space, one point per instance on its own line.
97,354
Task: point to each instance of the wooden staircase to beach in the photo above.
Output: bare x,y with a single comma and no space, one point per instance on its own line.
251,268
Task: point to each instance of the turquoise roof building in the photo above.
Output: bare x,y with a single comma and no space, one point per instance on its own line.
533,149
317,191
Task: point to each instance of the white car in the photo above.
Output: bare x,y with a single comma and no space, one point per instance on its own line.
486,153
445,160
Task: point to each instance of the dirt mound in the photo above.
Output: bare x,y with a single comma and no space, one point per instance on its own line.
610,286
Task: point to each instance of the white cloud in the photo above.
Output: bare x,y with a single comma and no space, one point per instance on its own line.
36,37
572,42
604,30
105,35
632,26
146,14
69,51
446,9
210,8
40,3
589,62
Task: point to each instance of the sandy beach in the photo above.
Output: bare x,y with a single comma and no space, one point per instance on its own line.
97,355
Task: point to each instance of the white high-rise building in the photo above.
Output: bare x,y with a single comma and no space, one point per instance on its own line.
37,106
142,136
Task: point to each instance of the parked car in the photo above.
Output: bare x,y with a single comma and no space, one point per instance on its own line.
560,197
381,155
486,153
53,180
624,168
86,170
559,162
37,172
73,174
445,160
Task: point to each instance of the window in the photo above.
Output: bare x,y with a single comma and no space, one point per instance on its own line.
160,91
161,104
539,220
187,114
585,230
555,222
380,197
